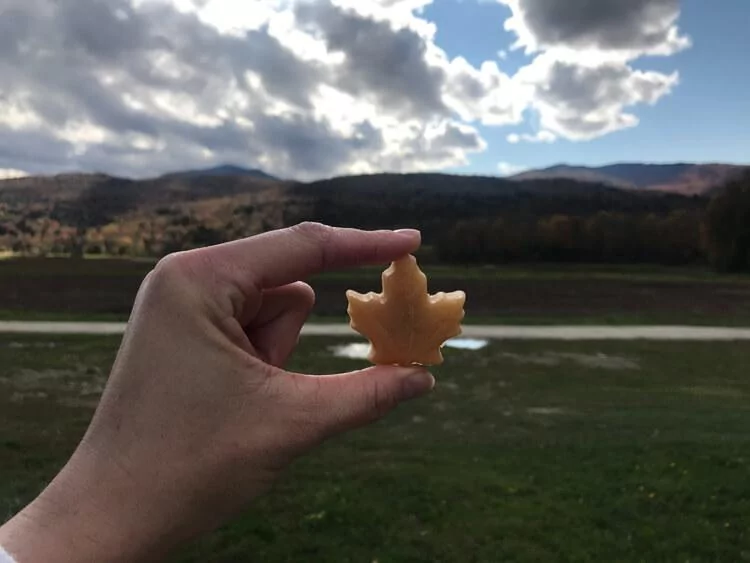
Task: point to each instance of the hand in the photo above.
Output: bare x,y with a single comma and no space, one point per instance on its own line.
199,416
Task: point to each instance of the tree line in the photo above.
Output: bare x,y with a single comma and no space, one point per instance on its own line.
718,235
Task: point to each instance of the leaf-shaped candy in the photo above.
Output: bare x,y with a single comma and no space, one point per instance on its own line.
405,324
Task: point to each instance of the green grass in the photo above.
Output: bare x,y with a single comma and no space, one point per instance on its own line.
525,452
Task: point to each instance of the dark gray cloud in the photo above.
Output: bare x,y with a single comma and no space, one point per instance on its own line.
583,89
311,145
457,137
32,150
629,25
380,61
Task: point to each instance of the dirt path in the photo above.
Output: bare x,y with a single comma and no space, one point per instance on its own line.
679,333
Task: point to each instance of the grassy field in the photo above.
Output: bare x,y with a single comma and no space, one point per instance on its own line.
525,452
104,289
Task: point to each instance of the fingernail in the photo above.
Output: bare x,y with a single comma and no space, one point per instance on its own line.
411,233
416,384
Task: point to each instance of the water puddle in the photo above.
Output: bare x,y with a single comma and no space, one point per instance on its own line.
360,350
467,343
352,351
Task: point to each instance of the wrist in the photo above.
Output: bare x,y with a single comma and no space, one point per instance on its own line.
87,513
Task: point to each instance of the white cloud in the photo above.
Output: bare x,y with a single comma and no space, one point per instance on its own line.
508,169
10,173
485,94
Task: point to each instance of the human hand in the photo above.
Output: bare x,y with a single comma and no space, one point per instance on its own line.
199,416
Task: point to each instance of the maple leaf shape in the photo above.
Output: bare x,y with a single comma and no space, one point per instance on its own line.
405,324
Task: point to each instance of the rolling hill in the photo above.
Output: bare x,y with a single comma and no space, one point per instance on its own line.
220,171
680,178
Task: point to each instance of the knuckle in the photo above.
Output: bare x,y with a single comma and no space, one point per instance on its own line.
176,270
170,265
178,264
314,232
318,237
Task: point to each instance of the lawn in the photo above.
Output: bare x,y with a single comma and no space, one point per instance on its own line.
533,451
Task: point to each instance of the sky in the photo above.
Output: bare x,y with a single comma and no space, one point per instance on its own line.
309,89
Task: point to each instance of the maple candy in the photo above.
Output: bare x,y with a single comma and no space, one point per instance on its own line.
405,324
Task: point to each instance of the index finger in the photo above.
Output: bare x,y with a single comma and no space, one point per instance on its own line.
292,254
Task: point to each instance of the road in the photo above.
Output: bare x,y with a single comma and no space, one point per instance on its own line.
494,332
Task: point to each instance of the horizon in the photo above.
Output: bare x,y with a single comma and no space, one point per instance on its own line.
383,172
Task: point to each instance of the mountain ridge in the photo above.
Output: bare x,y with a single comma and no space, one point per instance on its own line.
680,177
220,170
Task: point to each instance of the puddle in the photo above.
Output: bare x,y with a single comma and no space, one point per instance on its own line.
467,343
353,351
599,361
360,350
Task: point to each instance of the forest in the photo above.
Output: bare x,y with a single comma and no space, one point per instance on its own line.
466,220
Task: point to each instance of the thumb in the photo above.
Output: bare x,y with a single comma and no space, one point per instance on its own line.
351,400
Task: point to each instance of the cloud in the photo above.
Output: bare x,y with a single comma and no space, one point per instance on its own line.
386,64
302,88
582,83
581,102
634,27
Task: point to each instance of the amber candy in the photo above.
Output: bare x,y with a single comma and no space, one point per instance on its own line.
405,324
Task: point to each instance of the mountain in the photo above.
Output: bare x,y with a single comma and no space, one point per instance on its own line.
224,170
681,178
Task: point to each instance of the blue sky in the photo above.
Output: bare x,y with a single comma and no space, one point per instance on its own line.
310,89
706,118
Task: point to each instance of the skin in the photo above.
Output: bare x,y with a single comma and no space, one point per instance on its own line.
199,417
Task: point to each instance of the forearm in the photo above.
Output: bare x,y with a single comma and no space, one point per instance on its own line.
85,515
